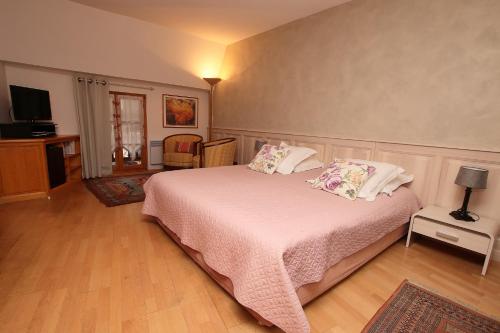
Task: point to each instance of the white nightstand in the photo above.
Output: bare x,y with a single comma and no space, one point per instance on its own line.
435,222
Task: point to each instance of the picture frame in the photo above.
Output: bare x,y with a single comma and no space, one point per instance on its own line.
180,111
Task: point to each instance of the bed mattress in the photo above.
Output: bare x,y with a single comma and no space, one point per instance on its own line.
270,234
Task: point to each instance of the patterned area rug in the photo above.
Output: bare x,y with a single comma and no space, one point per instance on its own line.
118,190
414,309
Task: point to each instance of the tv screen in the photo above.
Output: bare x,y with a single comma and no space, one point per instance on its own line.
30,104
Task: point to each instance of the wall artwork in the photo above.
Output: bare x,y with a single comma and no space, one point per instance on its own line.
180,111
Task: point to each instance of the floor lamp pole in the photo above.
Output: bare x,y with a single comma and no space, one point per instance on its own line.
212,81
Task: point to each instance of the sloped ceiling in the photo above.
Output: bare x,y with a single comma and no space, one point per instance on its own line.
222,21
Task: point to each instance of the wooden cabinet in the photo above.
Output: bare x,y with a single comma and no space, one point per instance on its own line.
23,166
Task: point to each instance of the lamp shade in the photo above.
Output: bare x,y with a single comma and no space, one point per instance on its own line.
212,80
258,145
472,177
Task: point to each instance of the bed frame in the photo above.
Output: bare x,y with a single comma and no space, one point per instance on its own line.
435,168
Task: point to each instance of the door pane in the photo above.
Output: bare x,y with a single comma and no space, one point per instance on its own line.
132,129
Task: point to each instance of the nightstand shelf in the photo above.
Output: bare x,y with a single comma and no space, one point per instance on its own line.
435,222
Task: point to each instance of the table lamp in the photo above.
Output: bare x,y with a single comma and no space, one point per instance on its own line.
470,177
258,145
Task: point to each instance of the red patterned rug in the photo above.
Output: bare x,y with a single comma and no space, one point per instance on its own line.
414,309
118,190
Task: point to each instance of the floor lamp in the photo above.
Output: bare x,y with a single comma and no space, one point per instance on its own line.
212,81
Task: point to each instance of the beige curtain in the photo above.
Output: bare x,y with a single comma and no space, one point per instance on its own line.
92,105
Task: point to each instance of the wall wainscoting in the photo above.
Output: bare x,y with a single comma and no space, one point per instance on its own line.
434,168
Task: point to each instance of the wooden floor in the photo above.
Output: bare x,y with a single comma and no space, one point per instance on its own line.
72,265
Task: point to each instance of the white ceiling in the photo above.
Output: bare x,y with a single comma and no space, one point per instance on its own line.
223,21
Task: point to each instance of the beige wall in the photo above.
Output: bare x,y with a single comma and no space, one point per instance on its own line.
424,72
65,35
60,85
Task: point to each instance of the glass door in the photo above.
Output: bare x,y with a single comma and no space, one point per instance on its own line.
128,131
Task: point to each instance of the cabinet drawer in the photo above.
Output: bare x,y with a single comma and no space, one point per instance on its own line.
452,235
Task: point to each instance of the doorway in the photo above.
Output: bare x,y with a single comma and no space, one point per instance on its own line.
128,132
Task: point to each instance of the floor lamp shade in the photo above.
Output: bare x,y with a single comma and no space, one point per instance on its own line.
212,80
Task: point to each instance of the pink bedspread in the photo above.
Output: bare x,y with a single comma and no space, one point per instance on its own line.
270,234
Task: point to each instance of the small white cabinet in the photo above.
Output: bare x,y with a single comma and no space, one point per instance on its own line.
435,222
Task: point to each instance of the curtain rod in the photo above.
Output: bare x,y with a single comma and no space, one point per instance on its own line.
130,86
104,82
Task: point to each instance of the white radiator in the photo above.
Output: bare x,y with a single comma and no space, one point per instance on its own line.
156,152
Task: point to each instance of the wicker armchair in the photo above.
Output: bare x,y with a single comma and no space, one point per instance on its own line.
174,160
216,153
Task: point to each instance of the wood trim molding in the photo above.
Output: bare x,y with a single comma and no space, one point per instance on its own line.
22,197
305,135
434,168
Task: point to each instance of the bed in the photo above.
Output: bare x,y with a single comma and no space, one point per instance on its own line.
272,241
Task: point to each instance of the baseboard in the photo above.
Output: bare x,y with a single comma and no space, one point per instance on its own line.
22,197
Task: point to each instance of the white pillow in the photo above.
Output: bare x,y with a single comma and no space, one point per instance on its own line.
308,164
384,173
396,182
294,157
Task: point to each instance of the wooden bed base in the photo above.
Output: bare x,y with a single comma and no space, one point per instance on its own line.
310,291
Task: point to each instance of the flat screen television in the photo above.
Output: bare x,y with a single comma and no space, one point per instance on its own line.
30,104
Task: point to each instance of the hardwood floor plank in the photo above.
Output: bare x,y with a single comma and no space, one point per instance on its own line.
169,318
18,312
72,314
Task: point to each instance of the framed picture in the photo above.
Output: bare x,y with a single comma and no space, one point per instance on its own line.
180,111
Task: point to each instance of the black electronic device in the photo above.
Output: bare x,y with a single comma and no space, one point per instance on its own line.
27,130
30,104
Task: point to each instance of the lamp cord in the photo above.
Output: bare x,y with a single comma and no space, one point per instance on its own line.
474,215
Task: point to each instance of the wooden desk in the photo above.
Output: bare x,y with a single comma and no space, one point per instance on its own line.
23,166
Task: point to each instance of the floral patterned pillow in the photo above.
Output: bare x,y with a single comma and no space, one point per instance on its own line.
268,158
371,169
343,178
